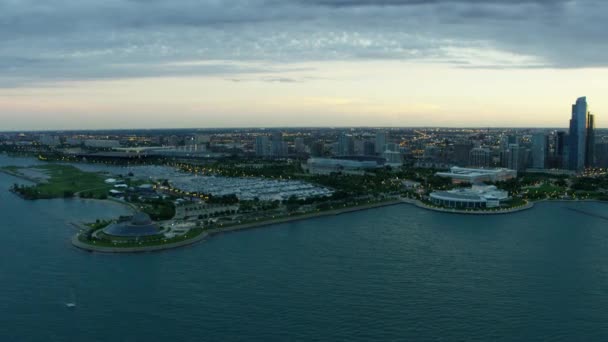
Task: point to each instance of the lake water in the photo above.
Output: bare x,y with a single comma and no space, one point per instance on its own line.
394,273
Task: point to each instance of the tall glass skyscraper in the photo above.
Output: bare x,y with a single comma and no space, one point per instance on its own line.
581,140
590,147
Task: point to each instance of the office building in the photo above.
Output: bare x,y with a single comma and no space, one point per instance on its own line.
262,146
601,150
540,143
513,157
345,145
479,157
590,143
278,146
381,141
581,137
299,145
461,156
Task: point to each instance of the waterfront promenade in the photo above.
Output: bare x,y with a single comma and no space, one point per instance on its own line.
234,228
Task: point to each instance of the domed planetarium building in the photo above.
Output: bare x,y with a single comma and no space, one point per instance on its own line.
138,225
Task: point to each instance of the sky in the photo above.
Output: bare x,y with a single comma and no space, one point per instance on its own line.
76,64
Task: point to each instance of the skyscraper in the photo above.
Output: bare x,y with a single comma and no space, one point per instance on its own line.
461,156
278,146
479,157
513,157
381,140
262,146
590,143
539,150
345,145
581,136
299,145
601,159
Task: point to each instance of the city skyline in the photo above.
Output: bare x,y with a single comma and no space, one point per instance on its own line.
183,64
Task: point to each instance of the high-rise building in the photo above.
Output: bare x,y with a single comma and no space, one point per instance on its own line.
560,144
369,148
590,143
317,149
262,146
393,147
581,136
479,157
557,150
461,156
49,140
540,145
345,145
601,159
358,147
299,145
513,157
381,141
278,146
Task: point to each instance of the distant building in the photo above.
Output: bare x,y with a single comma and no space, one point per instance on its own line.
393,157
299,145
590,143
369,148
345,145
97,143
477,197
262,146
278,146
382,139
49,140
317,149
74,141
582,136
513,157
349,165
461,156
358,147
540,146
477,176
479,157
601,151
202,139
558,151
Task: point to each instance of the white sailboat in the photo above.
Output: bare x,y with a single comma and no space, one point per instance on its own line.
72,303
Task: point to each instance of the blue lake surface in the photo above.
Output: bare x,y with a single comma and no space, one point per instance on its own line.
394,273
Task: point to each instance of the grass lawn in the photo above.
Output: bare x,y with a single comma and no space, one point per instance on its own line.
66,180
545,190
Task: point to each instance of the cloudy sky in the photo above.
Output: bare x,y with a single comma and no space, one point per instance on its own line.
67,64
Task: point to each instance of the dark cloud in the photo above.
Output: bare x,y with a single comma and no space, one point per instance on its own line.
74,39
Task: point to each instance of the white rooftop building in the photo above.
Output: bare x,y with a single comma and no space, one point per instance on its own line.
476,176
476,197
355,164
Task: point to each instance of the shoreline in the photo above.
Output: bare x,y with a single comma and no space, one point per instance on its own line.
20,176
230,229
334,212
421,205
